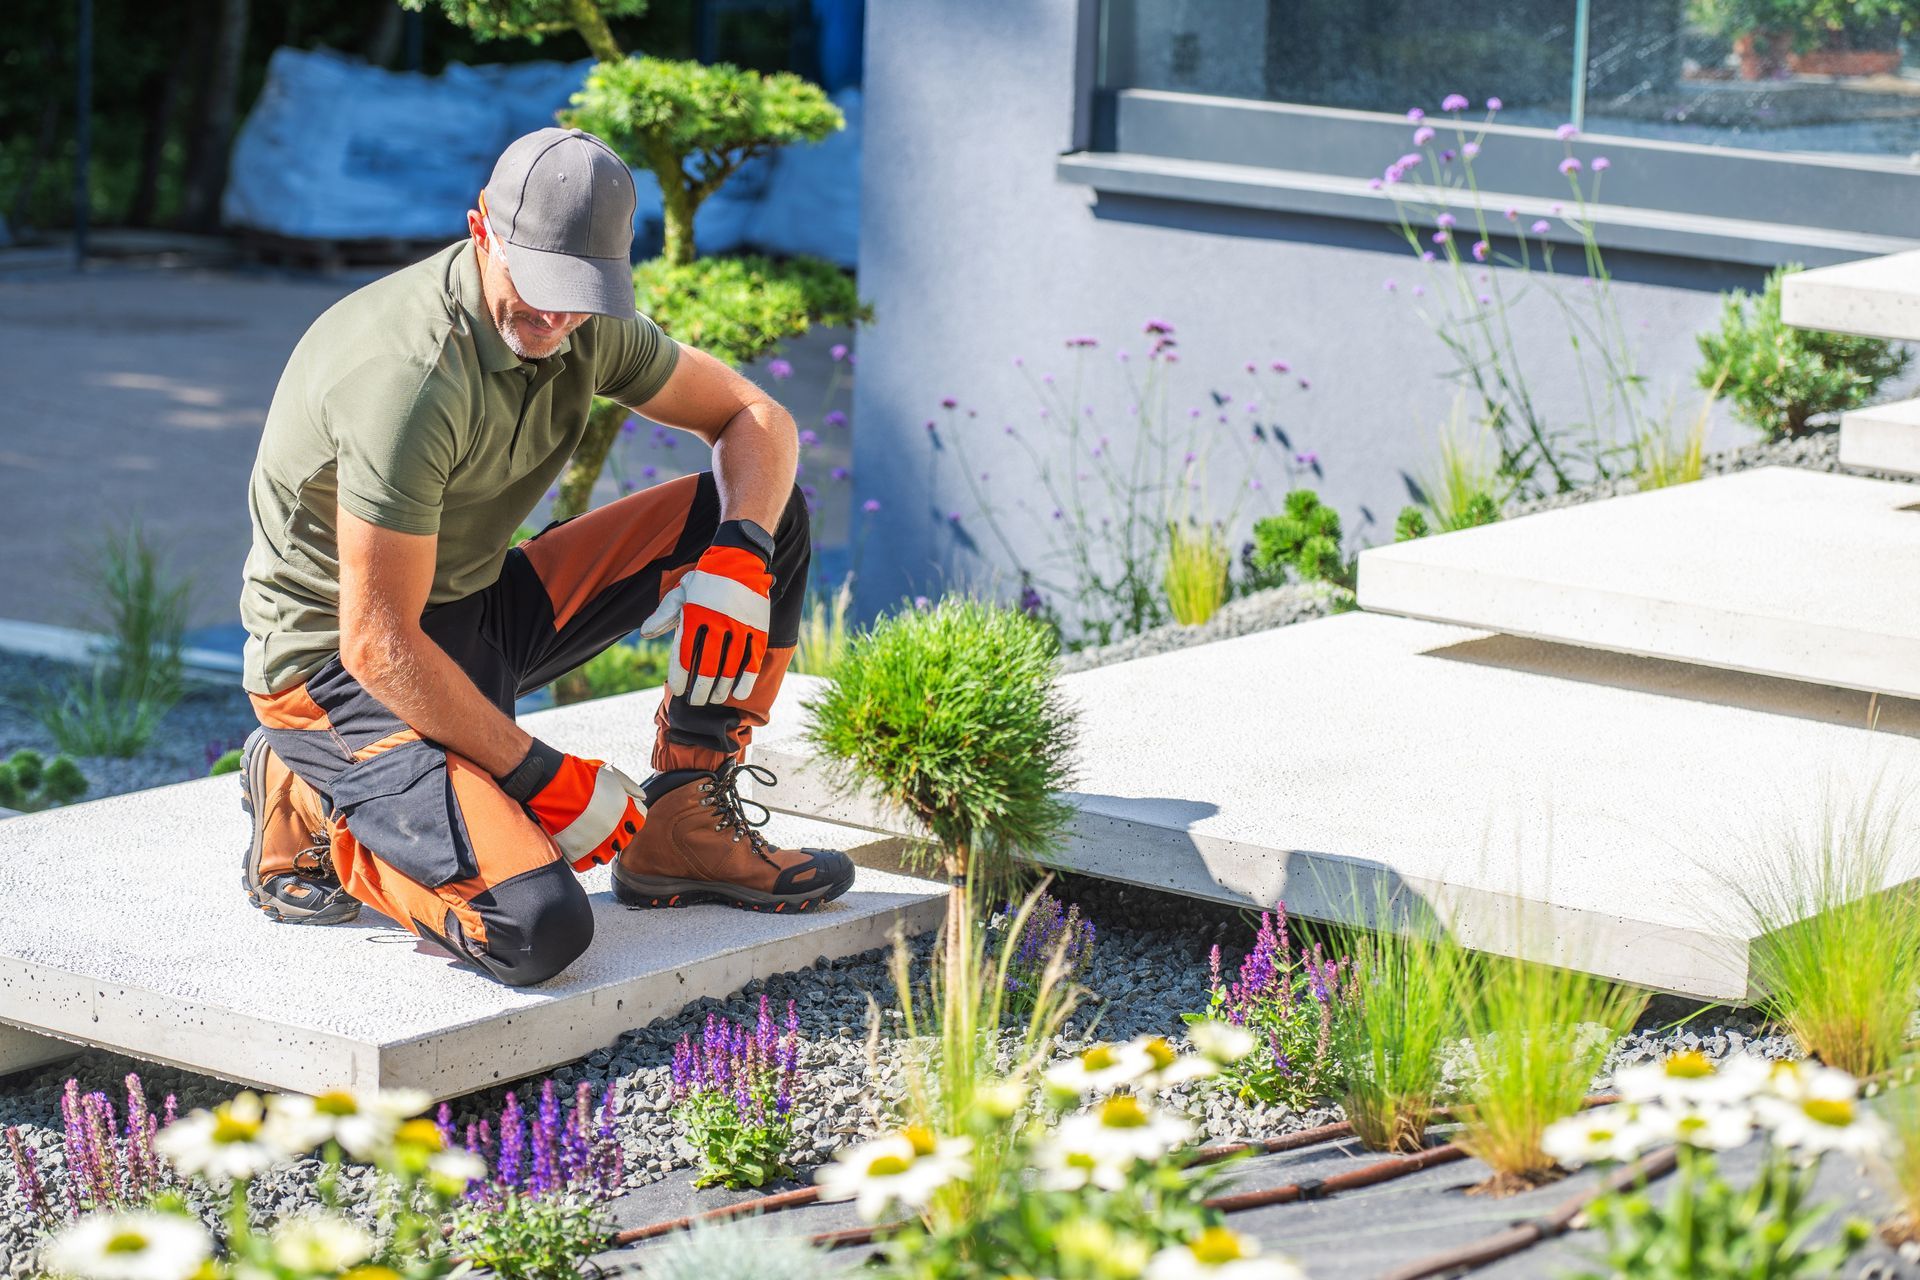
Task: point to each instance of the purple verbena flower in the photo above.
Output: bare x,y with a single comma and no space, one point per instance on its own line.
780,368
1454,102
1566,133
1423,135
1570,166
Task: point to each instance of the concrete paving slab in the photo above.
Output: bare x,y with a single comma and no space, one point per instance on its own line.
1548,801
1875,297
1882,437
122,925
1778,571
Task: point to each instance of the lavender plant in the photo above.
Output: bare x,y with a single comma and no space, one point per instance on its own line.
534,1216
1289,999
106,1163
1473,307
1098,500
1051,929
733,1090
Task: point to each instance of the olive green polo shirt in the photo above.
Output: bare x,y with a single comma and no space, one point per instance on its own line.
405,405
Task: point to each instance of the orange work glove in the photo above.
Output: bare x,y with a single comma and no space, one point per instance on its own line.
591,809
720,608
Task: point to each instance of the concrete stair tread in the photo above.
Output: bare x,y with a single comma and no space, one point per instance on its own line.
1882,437
1618,796
1875,297
1778,571
122,924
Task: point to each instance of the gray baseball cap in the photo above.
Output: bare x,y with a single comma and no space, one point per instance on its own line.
560,207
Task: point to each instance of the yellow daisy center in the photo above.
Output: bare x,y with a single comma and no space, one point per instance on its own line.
1216,1246
1837,1112
338,1102
1161,1052
920,1138
1098,1058
1122,1111
127,1242
887,1167
1690,1064
419,1133
228,1127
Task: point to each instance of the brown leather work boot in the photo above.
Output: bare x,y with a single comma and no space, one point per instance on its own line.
698,845
287,871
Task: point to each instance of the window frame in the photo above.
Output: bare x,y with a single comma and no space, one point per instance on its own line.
1687,199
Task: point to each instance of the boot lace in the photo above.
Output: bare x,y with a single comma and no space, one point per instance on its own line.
316,860
729,806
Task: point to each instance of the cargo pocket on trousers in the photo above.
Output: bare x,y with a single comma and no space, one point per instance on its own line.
400,806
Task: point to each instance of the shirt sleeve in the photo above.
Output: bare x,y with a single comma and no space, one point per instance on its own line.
393,429
635,360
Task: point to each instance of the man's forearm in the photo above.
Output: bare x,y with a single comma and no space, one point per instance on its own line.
415,679
754,459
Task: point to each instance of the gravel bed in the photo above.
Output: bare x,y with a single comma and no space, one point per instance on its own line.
210,717
1255,611
1145,972
1815,451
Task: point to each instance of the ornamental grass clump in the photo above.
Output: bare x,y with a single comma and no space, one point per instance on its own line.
733,1090
1402,1007
1195,578
1835,920
533,1212
1537,1036
1290,1000
1055,935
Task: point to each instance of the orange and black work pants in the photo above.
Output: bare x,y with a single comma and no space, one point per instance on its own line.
426,837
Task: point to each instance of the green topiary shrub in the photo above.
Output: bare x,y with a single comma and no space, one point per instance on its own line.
1305,539
29,782
1411,523
1780,378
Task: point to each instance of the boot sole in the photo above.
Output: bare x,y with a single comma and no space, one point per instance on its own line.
252,782
644,892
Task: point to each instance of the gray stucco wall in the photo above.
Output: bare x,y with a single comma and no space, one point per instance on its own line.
974,253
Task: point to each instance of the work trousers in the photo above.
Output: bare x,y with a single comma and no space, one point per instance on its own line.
428,838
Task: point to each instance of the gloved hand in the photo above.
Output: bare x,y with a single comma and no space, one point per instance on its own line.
721,608
591,809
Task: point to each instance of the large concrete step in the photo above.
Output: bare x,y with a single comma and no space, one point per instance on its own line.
1553,802
122,925
1874,297
1779,571
1882,437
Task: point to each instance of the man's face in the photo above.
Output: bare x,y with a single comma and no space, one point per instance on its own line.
530,333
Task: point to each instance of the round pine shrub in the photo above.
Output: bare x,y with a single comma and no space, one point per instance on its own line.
951,714
1780,378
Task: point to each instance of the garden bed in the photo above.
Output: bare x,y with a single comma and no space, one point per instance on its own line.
1150,964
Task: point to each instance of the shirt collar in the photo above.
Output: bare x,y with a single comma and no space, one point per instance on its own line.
495,355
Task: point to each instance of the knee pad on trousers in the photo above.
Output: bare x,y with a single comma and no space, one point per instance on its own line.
538,923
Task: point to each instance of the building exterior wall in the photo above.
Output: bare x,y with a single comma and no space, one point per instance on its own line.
973,253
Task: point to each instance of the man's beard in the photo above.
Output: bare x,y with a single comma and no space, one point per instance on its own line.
512,338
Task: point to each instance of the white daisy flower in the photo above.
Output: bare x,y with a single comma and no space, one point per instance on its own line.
903,1168
1220,1254
1710,1128
1221,1042
129,1246
1816,1110
449,1172
1797,1080
1605,1133
1121,1130
363,1124
1691,1079
1170,1067
1101,1069
320,1243
231,1141
1062,1168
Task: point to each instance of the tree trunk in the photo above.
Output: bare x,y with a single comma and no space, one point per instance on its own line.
153,146
382,44
577,481
17,216
213,124
593,28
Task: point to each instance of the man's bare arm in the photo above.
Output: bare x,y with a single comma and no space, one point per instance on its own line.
755,445
385,578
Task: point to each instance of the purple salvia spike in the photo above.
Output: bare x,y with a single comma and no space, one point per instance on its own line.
102,1127
545,1139
73,1145
140,1161
443,1121
473,1138
512,1143
172,1108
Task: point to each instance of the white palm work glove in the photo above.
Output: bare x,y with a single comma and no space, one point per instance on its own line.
721,611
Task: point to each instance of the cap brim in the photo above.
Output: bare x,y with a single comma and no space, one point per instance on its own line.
565,282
